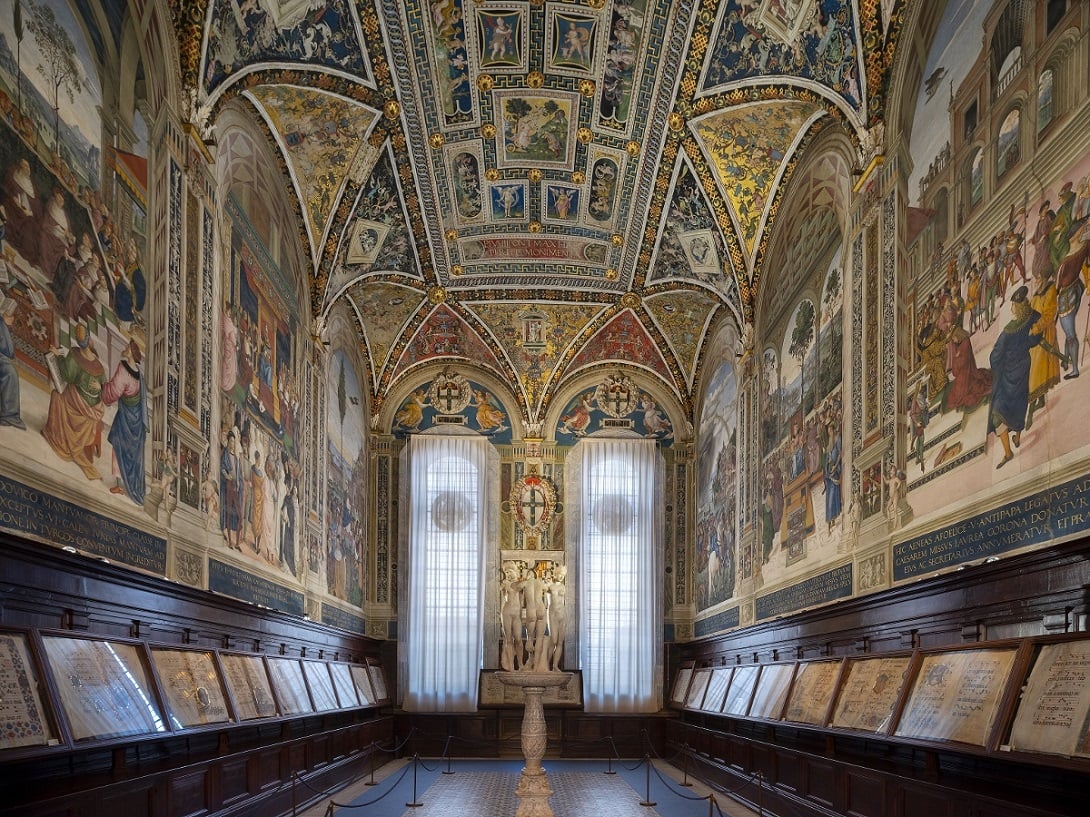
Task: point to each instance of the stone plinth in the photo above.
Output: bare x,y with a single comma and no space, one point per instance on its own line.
533,789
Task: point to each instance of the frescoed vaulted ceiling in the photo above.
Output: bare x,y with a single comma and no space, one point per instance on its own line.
606,171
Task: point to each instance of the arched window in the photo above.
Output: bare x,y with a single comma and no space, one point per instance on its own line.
444,559
617,492
1008,144
1056,11
974,178
1045,106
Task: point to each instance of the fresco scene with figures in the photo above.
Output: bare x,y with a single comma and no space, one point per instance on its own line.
346,491
997,298
251,251
716,569
73,287
260,465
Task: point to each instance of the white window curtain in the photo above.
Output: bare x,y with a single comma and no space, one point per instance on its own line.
616,492
441,570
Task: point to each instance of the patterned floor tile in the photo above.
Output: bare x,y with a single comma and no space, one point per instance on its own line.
492,794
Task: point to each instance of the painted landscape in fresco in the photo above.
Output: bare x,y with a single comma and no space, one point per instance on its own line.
802,429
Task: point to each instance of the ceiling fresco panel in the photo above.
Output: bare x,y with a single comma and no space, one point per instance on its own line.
623,339
465,164
244,33
445,334
500,37
378,237
384,310
573,37
543,250
625,40
445,47
535,336
605,175
691,247
324,137
815,40
535,129
683,317
748,147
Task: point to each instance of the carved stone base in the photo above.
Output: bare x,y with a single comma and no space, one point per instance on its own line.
534,792
533,789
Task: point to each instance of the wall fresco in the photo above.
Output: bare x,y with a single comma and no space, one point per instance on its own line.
260,466
346,482
996,391
801,484
615,398
72,283
716,569
452,395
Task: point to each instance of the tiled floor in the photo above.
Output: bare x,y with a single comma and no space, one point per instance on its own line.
486,788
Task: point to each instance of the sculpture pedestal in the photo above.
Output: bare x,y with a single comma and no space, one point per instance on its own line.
533,789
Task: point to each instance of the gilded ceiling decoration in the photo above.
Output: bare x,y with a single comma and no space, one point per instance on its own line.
324,139
603,172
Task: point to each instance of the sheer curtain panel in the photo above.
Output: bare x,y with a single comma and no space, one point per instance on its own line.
617,488
443,565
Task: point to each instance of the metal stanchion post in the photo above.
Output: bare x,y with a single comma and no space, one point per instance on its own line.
760,794
294,780
416,802
647,801
446,751
609,763
374,748
685,765
711,804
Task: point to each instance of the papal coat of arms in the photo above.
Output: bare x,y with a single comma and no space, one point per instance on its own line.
533,500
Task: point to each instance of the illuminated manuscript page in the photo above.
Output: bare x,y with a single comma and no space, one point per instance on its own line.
1054,712
717,689
815,683
697,689
741,687
869,693
103,688
250,684
956,695
287,678
771,691
192,686
22,717
681,685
